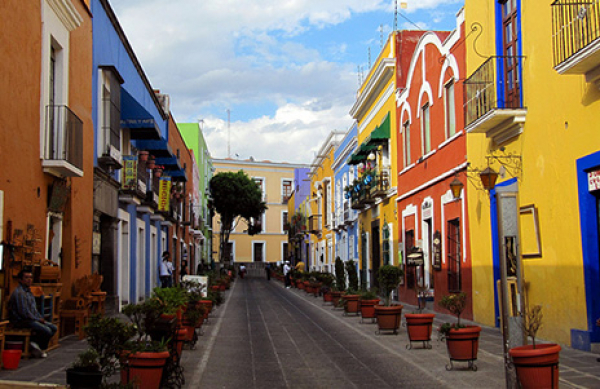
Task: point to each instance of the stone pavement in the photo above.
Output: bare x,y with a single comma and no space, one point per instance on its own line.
289,319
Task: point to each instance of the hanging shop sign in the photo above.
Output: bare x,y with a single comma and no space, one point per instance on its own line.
164,194
129,172
437,250
415,257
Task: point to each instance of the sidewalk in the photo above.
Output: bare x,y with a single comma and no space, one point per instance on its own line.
578,369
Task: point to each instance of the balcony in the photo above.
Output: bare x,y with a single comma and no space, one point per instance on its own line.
63,156
314,224
380,183
493,104
576,37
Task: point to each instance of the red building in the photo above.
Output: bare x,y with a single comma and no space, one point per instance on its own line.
431,151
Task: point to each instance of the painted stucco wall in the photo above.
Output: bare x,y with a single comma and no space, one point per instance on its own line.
561,126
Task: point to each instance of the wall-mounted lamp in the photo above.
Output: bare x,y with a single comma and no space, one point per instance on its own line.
488,178
456,187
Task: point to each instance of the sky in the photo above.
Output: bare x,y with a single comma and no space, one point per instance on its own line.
285,73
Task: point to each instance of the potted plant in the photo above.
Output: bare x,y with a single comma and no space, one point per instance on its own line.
327,280
144,358
389,315
462,341
368,300
86,371
536,364
107,336
419,325
351,296
340,282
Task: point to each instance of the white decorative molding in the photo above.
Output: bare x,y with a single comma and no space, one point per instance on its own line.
381,75
67,13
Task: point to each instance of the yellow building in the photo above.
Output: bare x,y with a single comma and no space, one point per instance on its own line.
531,106
375,114
276,181
320,207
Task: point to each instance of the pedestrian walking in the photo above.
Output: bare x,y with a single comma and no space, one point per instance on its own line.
184,269
268,271
166,270
286,272
242,270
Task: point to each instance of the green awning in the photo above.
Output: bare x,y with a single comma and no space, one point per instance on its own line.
361,154
381,133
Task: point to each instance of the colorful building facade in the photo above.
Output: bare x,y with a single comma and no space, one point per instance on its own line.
46,141
531,118
276,182
432,222
346,228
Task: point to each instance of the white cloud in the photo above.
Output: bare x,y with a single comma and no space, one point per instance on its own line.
210,55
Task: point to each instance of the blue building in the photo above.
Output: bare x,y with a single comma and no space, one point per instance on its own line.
346,236
131,154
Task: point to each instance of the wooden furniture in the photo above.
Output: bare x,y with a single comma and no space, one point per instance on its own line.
88,299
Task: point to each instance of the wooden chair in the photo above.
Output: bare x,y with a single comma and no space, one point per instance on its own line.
78,307
97,296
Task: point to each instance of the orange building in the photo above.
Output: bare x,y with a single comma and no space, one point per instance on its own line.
46,139
432,222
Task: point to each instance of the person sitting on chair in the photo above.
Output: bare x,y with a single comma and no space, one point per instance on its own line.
23,313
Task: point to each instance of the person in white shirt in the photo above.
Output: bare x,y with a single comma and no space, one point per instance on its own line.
166,270
286,273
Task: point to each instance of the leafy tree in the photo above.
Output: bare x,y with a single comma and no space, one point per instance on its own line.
236,197
352,276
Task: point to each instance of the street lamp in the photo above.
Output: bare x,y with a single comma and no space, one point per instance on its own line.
488,178
456,187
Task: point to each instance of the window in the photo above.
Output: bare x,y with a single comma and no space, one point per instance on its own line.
450,111
284,221
286,191
261,184
110,113
426,130
407,157
509,50
454,278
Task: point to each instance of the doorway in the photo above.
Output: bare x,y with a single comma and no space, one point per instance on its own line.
375,254
257,249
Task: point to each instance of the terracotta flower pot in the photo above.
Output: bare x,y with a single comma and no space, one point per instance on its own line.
419,327
388,318
327,297
350,304
145,369
536,368
367,308
335,298
463,344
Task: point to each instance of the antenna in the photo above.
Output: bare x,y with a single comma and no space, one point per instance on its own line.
380,36
395,15
228,133
358,75
369,58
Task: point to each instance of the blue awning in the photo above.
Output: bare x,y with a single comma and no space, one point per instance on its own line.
135,117
177,175
158,148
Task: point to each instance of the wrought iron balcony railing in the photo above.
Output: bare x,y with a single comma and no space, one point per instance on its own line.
380,183
493,98
575,27
64,141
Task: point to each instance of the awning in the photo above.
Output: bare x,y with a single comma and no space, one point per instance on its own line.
137,118
177,175
361,154
158,148
381,133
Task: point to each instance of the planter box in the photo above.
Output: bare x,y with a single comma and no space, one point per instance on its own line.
536,368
